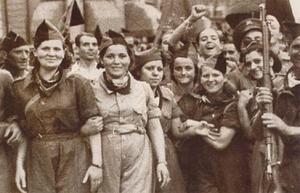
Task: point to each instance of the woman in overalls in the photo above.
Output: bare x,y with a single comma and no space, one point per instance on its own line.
130,118
52,107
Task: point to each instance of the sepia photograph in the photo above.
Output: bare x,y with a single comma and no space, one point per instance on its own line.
149,96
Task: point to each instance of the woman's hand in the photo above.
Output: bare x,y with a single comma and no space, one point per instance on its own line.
92,126
96,177
198,11
20,179
163,175
13,133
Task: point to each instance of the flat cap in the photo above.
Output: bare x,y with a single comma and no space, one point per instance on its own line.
11,41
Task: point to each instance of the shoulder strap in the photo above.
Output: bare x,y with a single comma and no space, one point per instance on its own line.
32,101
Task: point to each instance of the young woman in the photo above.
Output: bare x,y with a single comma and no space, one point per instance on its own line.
221,163
184,75
52,108
130,115
149,68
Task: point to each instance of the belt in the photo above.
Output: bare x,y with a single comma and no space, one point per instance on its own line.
122,129
57,136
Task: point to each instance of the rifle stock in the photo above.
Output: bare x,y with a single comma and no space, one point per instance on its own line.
271,139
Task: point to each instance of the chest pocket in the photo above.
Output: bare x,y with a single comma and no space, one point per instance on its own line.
139,116
60,119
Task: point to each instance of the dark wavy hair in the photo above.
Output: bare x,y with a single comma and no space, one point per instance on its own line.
172,70
129,51
255,46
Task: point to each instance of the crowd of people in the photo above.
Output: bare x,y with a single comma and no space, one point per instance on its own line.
176,116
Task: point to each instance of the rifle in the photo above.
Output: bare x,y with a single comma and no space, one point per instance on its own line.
271,139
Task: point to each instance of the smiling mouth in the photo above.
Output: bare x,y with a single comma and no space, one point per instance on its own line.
210,47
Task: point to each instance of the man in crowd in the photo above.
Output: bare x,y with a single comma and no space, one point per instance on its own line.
284,121
17,55
87,48
231,56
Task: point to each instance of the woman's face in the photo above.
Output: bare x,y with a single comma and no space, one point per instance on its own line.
184,71
50,54
209,43
116,61
212,80
152,73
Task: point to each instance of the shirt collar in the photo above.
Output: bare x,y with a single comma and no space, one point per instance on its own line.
102,83
165,94
30,79
178,93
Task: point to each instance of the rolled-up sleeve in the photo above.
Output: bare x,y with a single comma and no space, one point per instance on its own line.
230,117
153,110
86,100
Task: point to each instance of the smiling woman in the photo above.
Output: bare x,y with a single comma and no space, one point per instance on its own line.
52,107
50,54
130,117
224,152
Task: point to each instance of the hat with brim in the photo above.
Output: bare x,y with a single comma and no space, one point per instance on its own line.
241,11
244,27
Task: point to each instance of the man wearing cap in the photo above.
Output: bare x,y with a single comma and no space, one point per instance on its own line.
285,121
245,32
87,47
17,51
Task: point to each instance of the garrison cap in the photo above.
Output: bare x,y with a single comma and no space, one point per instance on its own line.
144,57
219,64
98,34
11,41
187,51
112,38
241,11
242,28
291,30
47,31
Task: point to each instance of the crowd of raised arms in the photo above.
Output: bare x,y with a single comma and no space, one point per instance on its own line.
176,116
